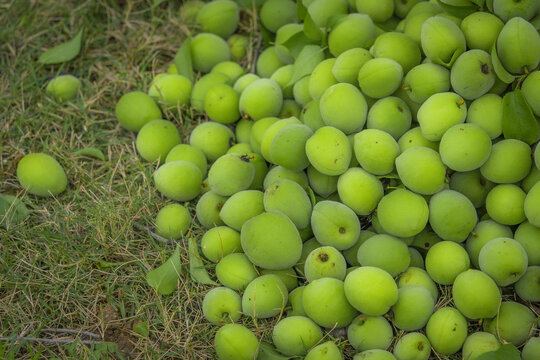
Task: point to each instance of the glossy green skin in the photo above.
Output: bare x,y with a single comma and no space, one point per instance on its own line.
171,90
222,305
385,252
531,349
344,107
353,31
212,138
325,351
219,242
403,213
221,104
509,162
531,91
271,241
504,259
208,209
426,79
481,30
360,190
479,343
219,17
335,224
483,232
513,323
63,87
135,109
527,235
416,276
370,332
532,205
504,204
348,64
290,199
178,180
371,290
260,99
413,308
380,77
421,170
528,286
472,74
412,346
295,335
189,153
446,330
276,13
376,151
476,295
40,174
236,271
452,215
329,151
207,50
325,303
264,297
231,173
235,342
241,207
323,262
518,46
156,139
442,40
173,221
445,261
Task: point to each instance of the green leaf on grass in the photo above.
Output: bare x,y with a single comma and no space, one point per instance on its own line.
63,52
142,328
518,121
90,152
183,61
307,60
165,278
196,266
505,352
268,352
12,211
501,72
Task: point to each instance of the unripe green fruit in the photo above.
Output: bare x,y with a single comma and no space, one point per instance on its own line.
343,106
465,147
473,185
290,109
439,113
380,77
322,10
402,9
412,346
301,91
424,80
375,354
390,114
527,235
235,342
446,330
208,209
322,77
279,172
219,17
472,74
413,138
188,153
262,98
63,87
481,30
40,174
311,115
399,47
531,349
531,91
484,232
201,87
417,276
479,343
235,271
442,40
513,323
379,11
212,138
264,297
276,13
290,199
359,190
452,215
325,303
348,64
296,302
416,258
307,248
507,9
221,104
222,305
413,308
231,173
518,46
531,179
270,133
156,139
241,207
286,50
329,151
327,351
509,162
283,77
178,180
353,31
238,45
486,112
321,184
207,50
403,213
504,259
268,62
189,9
421,170
371,290
271,241
370,332
219,242
385,252
295,335
135,109
528,286
532,205
445,261
376,151
504,204
476,295
324,262
288,147
229,68
288,276
335,224
425,240
173,221
243,131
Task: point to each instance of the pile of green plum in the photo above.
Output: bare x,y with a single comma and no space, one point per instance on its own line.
376,170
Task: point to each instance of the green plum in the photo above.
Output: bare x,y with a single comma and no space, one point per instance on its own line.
156,139
236,342
41,174
295,335
445,261
264,297
222,305
173,221
212,138
135,109
235,271
178,180
476,295
370,332
208,50
335,224
446,330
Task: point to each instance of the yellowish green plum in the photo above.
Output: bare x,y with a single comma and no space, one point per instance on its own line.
403,213
452,215
238,45
288,276
212,138
472,74
288,147
446,330
483,232
321,184
63,87
481,30
171,90
513,323
301,91
326,351
219,242
271,132
324,262
421,170
335,224
178,180
385,252
41,174
504,204
518,46
375,354
135,109
360,190
344,107
276,13
311,115
479,343
417,276
376,151
473,185
322,77
439,113
296,302
351,253
221,104
289,198
445,260
476,295
528,286
504,259
241,207
222,305
260,99
465,147
201,87
531,91
264,297
235,271
279,172
236,342
370,332
528,236
532,205
295,335
189,153
283,77
208,209
442,40
417,260
509,162
380,77
156,139
207,50
352,31
413,138
399,47
424,80
219,17
243,131
231,173
413,308
348,64
531,349
329,151
173,221
390,114
322,10
412,346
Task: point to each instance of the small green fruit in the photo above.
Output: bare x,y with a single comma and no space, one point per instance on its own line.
173,221
446,330
207,50
476,295
323,262
219,17
156,139
236,271
370,332
264,297
295,335
212,138
41,175
222,305
219,242
171,90
135,109
63,87
178,180
236,342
